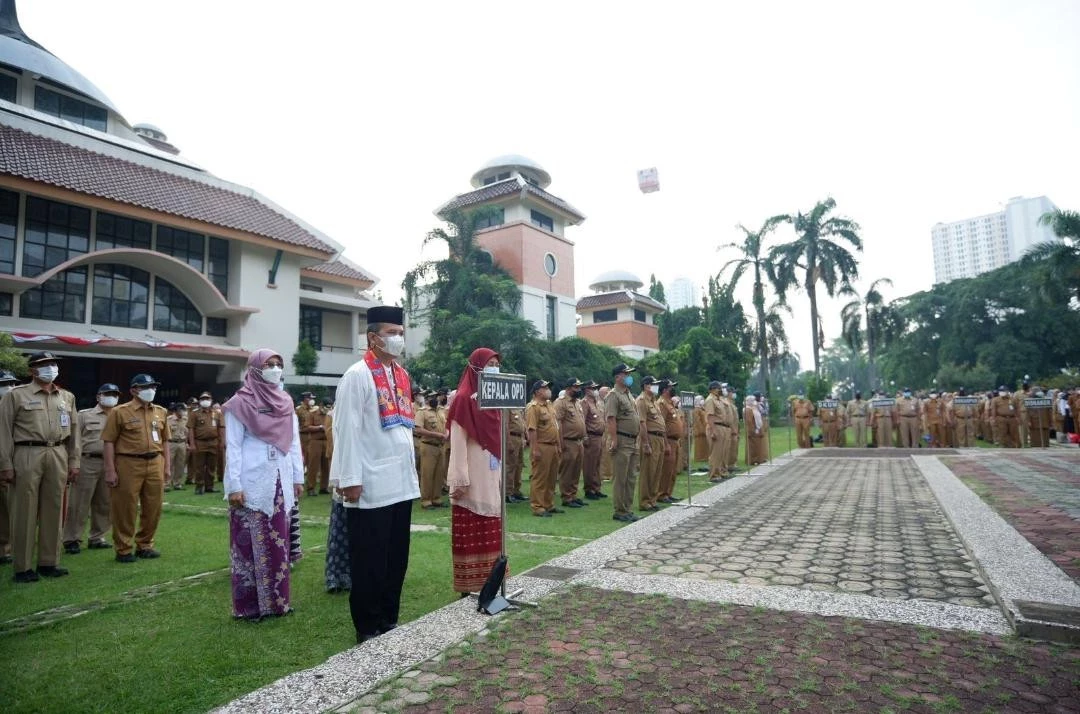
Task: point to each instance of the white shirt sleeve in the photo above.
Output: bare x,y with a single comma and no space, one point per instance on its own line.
346,468
295,457
234,439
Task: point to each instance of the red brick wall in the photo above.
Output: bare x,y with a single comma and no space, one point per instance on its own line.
622,333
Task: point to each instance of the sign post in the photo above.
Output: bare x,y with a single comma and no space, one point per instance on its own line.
686,403
1042,405
503,392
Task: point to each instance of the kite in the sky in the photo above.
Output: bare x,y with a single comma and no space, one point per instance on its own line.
648,180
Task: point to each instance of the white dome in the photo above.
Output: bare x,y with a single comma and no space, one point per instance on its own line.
616,280
512,162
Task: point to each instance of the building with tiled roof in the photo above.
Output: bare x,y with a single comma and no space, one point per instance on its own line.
119,253
616,314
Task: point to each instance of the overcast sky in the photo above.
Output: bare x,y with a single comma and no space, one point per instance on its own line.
364,117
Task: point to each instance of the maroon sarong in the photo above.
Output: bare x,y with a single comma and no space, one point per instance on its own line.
475,542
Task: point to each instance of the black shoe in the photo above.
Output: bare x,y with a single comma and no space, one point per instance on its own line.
543,514
673,500
99,545
650,509
521,497
634,519
72,547
148,554
624,517
594,496
716,480
362,637
571,504
178,488
52,571
129,558
5,559
556,510
580,503
323,492
511,499
26,576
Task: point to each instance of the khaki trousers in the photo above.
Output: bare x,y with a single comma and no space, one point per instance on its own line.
802,432
607,471
544,460
909,432
138,493
89,495
1010,432
430,483
649,476
6,497
316,473
965,432
733,450
718,451
570,463
830,433
591,462
885,434
514,463
40,476
178,463
668,468
204,464
937,435
624,474
858,427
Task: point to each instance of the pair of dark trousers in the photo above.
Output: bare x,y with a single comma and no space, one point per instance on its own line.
378,558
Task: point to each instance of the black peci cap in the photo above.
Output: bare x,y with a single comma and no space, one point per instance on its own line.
622,368
144,380
539,384
108,388
39,357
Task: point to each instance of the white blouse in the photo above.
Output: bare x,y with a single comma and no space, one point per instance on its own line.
365,454
253,466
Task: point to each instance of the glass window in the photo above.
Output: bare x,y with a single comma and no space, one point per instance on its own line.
542,221
606,315
9,221
55,233
9,87
217,268
551,266
311,325
495,218
551,312
173,312
217,326
6,303
121,232
71,109
63,298
184,245
639,315
121,296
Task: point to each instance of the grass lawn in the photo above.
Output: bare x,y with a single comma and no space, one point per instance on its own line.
153,638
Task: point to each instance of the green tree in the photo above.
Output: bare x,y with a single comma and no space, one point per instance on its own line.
11,358
725,316
674,325
868,321
656,290
817,255
1058,263
305,360
753,258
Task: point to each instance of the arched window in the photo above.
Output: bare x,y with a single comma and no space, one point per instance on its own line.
121,296
173,312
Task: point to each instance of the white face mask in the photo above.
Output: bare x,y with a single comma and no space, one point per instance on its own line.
4,389
147,395
1003,394
271,374
48,374
654,388
492,370
311,402
393,345
204,403
109,401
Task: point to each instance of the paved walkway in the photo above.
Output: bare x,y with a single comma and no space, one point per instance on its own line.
837,582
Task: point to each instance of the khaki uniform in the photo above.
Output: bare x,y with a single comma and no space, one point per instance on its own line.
933,411
881,422
907,408
619,406
755,440
1022,416
964,418
430,456
38,442
314,427
830,425
595,425
139,433
857,412
651,458
701,442
1006,427
444,461
205,438
803,411
733,439
571,419
178,448
90,494
673,432
718,430
515,451
543,426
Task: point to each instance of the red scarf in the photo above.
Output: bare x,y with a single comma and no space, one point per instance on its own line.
394,409
483,425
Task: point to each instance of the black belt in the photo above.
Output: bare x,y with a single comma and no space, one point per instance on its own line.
148,456
723,423
549,443
515,433
41,443
93,456
656,433
596,433
628,436
177,441
573,438
431,443
206,438
674,438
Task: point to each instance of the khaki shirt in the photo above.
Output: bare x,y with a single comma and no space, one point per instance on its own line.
649,413
1002,407
137,428
857,408
670,415
540,417
827,414
205,425
802,409
699,421
310,417
907,407
571,419
177,428
430,420
516,424
593,413
715,412
620,405
933,411
91,424
31,412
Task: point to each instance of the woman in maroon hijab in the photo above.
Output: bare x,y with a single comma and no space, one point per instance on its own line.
474,478
264,476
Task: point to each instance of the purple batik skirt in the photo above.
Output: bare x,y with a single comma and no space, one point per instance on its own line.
259,551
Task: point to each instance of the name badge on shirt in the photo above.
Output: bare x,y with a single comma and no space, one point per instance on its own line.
155,436
271,452
493,463
65,419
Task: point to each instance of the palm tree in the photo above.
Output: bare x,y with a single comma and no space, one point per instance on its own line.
754,258
1059,262
818,253
879,319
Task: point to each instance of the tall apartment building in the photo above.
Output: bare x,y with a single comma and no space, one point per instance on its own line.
682,293
969,247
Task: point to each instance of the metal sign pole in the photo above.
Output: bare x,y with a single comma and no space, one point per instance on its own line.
790,418
502,489
687,398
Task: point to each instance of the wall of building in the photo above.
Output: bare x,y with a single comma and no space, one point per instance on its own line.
1024,230
621,333
625,313
277,324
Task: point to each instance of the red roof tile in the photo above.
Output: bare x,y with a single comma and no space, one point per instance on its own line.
56,163
619,297
508,187
341,269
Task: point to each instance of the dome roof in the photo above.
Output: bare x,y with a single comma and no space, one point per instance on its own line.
521,163
618,277
18,50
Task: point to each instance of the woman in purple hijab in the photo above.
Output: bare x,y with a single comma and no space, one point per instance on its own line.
264,476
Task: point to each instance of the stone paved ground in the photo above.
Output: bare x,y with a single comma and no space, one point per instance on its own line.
837,525
589,650
1037,492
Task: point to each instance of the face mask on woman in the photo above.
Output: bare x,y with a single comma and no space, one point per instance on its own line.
492,369
271,374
